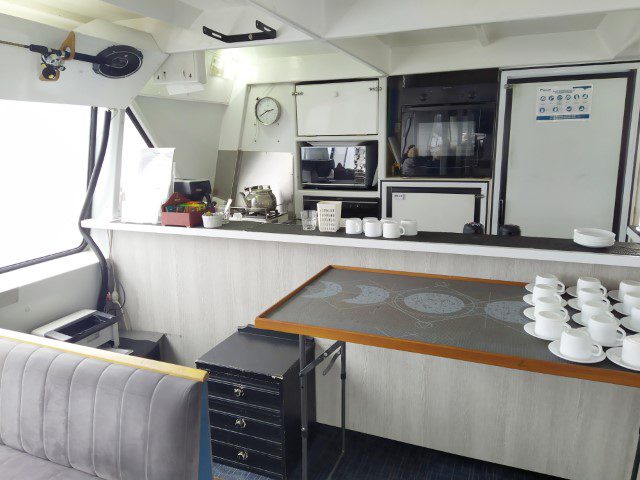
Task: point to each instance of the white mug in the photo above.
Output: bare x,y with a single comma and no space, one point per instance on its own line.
591,294
353,226
410,227
578,344
604,329
372,228
590,282
540,291
634,319
551,324
631,350
391,229
548,304
592,308
628,286
631,299
550,279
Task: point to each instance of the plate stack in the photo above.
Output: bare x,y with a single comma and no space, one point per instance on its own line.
593,237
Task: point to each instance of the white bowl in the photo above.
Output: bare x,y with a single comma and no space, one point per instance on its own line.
212,221
593,237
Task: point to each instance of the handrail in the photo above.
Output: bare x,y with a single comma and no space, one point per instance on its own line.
171,369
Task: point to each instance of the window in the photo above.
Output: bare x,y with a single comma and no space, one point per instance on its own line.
43,179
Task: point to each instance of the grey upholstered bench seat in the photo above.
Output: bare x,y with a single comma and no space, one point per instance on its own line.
65,416
16,465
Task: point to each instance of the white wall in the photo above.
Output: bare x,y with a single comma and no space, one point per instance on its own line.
193,128
278,137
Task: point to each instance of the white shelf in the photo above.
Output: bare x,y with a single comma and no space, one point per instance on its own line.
363,242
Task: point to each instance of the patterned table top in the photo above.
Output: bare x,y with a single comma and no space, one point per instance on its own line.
470,319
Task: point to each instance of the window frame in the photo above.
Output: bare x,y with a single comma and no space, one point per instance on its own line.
93,129
136,123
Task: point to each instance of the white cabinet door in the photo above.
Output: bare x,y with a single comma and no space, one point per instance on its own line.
437,206
349,108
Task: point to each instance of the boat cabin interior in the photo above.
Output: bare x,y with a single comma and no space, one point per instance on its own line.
302,240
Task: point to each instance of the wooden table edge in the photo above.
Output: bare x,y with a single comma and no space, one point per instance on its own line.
581,372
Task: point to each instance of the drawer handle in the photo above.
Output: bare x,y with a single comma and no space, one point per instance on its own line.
241,423
243,455
238,392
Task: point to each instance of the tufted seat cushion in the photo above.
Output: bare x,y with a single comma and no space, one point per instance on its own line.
15,465
78,417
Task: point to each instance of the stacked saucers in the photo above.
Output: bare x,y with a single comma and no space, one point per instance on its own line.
593,237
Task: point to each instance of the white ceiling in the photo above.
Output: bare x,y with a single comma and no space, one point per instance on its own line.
379,34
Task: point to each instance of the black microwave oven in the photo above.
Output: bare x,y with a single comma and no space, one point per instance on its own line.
343,166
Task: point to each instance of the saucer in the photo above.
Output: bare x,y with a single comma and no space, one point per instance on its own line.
573,303
573,291
615,355
615,344
530,328
626,323
615,295
577,317
529,299
529,287
554,347
619,307
530,313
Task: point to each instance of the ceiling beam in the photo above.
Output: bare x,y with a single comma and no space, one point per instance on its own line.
618,31
357,51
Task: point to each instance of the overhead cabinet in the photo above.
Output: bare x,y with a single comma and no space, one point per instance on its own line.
345,108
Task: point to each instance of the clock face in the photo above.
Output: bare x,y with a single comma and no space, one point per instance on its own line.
267,110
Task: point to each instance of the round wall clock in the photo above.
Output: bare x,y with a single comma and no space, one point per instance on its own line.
267,110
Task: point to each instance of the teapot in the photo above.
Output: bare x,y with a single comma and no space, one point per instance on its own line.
259,196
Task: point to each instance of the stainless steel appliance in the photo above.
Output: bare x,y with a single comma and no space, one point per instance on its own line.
352,207
444,123
339,165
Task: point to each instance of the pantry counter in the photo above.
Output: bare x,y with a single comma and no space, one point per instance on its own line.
529,248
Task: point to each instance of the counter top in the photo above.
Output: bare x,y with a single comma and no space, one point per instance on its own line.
532,248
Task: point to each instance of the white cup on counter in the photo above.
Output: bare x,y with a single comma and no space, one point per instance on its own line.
578,344
540,291
631,350
551,324
549,304
353,226
591,295
550,279
593,308
410,227
628,286
392,229
631,300
604,329
372,228
590,282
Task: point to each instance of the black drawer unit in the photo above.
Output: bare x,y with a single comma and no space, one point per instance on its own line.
254,401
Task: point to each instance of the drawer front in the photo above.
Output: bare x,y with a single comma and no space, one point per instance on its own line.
245,393
246,425
240,409
244,456
252,443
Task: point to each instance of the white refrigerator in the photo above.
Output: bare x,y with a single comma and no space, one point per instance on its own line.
566,147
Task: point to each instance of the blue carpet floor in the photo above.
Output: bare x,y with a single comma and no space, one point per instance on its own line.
371,458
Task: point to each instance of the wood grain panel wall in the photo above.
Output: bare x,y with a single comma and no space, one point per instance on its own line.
198,290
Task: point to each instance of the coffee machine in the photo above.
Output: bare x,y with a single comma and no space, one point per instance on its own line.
196,190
